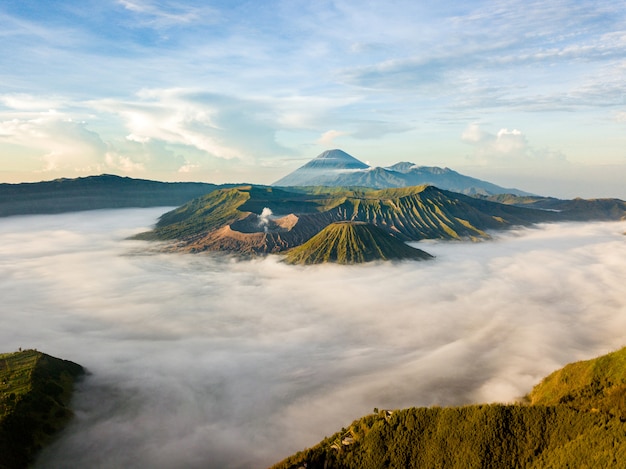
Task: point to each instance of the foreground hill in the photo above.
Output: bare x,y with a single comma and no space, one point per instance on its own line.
352,243
95,192
337,168
35,389
576,417
260,220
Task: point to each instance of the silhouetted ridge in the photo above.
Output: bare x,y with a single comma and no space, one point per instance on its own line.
95,192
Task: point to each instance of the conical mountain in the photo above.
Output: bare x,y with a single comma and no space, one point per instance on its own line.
352,243
337,168
323,168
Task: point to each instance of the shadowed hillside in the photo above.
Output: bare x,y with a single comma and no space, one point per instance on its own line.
95,192
35,389
576,418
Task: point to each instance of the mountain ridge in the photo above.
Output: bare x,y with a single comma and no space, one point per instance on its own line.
95,192
576,417
232,220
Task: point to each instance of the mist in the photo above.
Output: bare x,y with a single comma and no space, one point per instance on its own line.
202,360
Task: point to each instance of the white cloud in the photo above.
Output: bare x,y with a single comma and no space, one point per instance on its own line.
122,163
188,168
620,116
61,143
329,137
27,102
221,126
205,361
168,14
509,147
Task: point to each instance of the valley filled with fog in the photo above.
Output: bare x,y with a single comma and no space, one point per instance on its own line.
207,361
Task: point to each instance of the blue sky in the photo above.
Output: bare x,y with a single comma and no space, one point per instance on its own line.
521,93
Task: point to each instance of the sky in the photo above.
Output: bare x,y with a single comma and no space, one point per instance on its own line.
204,361
526,94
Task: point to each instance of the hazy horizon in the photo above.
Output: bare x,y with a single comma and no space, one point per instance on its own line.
526,94
206,361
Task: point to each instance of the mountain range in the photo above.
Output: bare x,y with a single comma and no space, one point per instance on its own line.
338,168
262,220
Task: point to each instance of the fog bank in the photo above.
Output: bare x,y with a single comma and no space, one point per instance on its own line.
205,361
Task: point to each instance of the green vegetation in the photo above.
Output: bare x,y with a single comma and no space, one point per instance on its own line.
597,385
34,391
229,219
209,212
575,419
351,243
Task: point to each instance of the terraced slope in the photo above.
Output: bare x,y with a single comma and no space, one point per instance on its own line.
35,389
576,419
352,243
260,220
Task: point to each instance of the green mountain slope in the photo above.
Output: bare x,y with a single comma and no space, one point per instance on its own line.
35,389
575,419
592,385
352,243
233,219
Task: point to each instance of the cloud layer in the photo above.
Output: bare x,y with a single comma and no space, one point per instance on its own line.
204,361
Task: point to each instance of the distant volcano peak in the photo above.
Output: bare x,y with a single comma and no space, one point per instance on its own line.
337,168
324,166
335,159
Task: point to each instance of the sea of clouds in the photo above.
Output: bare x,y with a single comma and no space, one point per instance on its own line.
205,361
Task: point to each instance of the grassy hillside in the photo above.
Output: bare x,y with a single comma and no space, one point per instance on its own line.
35,389
575,419
592,385
352,243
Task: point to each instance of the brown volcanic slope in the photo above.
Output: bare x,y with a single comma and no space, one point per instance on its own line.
232,219
352,243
